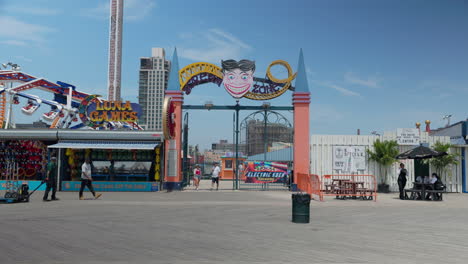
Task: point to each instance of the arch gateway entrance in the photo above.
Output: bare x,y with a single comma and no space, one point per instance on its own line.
237,78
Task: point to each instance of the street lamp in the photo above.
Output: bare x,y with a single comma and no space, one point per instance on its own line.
266,105
14,66
208,105
448,119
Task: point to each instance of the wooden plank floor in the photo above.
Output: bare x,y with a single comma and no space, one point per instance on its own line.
231,227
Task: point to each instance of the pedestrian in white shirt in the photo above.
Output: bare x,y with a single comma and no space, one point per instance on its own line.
215,176
87,180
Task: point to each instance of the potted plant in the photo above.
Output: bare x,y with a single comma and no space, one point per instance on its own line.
442,163
384,154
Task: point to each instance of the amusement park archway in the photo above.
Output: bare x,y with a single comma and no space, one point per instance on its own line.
237,78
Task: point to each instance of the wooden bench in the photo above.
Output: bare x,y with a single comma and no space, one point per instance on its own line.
437,194
413,193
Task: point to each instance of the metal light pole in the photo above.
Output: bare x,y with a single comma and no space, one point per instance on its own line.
233,139
237,108
265,106
448,119
185,150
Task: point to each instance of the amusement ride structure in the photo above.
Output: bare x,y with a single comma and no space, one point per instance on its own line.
64,107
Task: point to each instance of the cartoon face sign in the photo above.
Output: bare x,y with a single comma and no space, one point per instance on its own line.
238,77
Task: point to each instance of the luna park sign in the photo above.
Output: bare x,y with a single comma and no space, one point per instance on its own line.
95,112
237,78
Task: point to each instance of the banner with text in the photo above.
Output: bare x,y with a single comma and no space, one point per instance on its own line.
349,159
408,136
266,172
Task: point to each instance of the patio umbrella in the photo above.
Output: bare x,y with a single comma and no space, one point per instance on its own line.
420,152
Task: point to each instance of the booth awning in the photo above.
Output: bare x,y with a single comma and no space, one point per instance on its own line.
106,145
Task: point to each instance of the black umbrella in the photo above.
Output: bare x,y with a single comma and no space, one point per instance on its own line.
420,152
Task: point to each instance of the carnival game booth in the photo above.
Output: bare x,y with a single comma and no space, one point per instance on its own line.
121,160
22,161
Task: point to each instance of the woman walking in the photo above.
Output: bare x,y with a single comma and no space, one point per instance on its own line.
197,176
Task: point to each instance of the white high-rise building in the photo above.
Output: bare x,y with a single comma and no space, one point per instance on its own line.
154,74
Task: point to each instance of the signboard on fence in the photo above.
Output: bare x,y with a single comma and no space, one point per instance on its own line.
266,172
349,159
102,186
408,136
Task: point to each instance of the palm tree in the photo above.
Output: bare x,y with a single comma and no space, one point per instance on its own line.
384,154
441,164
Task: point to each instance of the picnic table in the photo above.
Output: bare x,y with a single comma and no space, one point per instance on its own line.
420,190
346,187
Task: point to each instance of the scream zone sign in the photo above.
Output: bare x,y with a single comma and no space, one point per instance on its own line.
237,78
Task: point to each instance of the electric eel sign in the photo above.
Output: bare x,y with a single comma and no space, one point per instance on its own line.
95,112
266,172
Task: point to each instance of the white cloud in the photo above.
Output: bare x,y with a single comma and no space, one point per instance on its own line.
134,10
14,42
371,82
30,10
325,113
138,9
17,32
23,58
340,89
217,44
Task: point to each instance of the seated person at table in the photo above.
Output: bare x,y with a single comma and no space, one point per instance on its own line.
427,179
438,185
419,179
432,181
433,178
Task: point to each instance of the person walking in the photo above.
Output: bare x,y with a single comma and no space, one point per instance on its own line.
51,180
87,180
215,176
402,180
197,176
112,170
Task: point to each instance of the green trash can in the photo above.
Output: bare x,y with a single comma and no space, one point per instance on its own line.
300,208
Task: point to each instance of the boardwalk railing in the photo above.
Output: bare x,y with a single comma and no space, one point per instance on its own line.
349,186
310,183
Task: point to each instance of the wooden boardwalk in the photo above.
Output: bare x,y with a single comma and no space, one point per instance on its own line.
231,227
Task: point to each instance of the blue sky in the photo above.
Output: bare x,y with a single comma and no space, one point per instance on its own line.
373,65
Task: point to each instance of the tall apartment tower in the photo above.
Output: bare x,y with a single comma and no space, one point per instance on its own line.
115,50
154,74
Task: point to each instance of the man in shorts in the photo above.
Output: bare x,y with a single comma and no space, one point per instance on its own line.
215,176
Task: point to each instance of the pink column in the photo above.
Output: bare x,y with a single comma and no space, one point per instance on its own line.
301,102
174,181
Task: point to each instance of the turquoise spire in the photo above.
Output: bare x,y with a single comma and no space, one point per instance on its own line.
173,84
302,85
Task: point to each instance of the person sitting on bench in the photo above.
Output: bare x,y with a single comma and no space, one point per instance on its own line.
432,180
438,186
419,179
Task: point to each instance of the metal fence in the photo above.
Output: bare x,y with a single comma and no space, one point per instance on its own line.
350,186
311,184
263,186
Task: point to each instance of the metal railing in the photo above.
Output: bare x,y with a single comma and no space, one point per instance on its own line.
311,184
349,186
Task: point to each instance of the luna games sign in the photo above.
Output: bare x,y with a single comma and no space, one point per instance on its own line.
95,112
